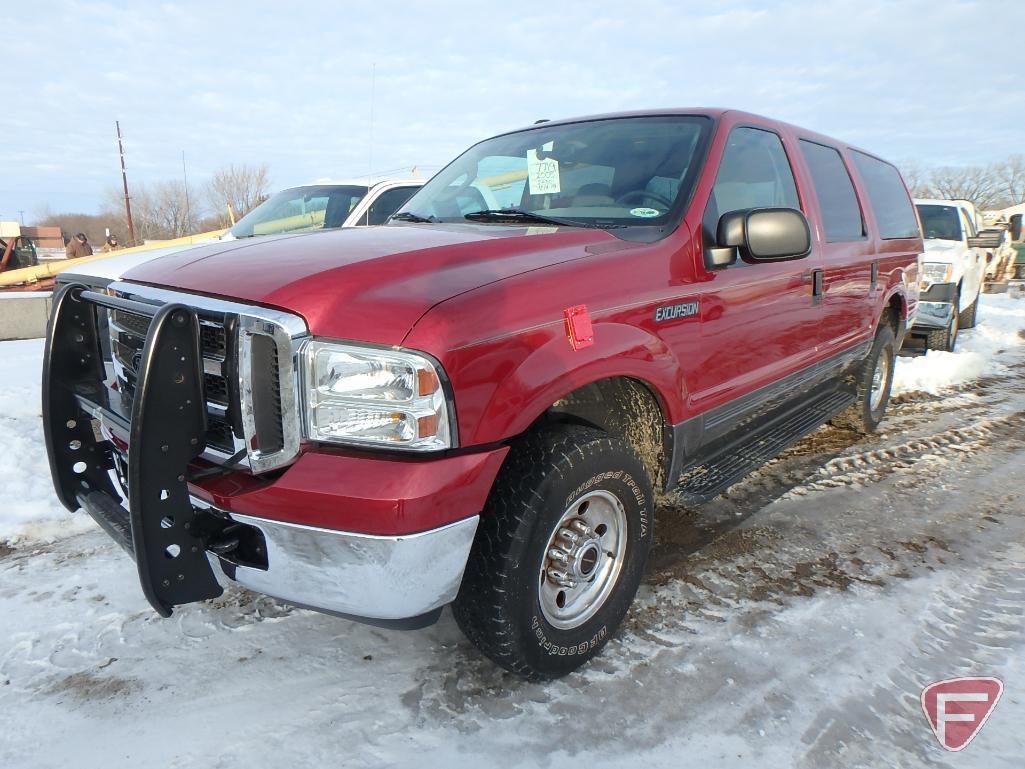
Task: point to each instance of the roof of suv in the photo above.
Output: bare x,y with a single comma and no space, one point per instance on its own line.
711,112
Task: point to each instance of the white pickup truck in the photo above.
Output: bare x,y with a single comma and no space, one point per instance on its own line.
953,270
310,207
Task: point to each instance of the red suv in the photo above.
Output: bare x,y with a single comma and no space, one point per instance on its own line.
475,403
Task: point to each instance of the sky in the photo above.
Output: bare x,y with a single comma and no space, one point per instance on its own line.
340,89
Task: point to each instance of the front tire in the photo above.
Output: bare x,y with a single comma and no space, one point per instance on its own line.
969,316
873,381
945,339
560,551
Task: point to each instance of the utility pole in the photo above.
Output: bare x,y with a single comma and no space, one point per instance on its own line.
22,215
124,179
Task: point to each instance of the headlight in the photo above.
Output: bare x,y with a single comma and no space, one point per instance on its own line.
365,396
936,272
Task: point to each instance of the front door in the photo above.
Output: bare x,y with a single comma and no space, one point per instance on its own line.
759,320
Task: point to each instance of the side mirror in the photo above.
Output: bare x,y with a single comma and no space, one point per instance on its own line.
986,239
760,235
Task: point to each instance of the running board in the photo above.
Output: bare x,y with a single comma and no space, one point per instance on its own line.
749,451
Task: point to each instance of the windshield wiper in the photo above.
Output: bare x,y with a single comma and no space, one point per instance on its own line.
518,215
409,216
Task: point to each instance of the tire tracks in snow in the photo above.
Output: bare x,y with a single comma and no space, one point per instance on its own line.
869,466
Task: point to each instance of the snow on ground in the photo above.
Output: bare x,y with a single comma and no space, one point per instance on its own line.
28,507
789,623
982,351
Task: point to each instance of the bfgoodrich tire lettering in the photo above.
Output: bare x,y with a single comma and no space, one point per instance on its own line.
539,489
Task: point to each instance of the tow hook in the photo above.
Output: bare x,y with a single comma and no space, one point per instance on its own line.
227,541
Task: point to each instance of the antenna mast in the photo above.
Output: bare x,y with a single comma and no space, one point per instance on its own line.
188,208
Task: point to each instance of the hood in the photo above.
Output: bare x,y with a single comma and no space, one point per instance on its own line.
937,250
115,266
369,284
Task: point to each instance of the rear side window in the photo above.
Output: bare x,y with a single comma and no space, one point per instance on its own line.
841,214
387,204
754,173
890,203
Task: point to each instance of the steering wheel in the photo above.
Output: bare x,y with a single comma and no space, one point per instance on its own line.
627,196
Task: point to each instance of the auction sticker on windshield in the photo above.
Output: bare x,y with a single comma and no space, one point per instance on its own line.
543,173
647,213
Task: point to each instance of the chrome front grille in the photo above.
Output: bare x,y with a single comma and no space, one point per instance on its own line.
127,338
249,355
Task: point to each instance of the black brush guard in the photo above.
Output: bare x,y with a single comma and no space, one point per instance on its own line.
161,529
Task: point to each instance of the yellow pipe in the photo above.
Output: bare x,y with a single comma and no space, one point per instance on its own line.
35,274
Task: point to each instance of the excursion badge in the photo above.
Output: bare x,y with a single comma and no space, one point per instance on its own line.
677,311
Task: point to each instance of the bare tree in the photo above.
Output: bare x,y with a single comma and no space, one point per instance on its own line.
979,184
242,187
916,176
93,226
1011,175
160,211
170,208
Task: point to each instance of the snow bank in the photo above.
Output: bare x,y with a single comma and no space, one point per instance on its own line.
982,351
28,507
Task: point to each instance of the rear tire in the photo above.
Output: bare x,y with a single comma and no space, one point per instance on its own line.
571,505
873,381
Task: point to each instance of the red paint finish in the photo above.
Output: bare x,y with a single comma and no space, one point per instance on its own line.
363,493
489,302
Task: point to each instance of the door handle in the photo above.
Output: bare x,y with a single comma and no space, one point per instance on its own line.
815,278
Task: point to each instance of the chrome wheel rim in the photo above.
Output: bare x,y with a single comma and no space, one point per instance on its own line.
583,559
879,379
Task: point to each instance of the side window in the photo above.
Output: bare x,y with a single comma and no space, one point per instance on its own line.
387,204
754,173
841,213
890,203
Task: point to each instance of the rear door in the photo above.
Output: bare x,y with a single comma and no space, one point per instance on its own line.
758,320
844,246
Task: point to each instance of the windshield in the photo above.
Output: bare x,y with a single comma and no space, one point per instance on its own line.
612,172
317,207
939,222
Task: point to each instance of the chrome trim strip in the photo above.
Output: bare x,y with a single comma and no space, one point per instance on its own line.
363,575
293,324
288,392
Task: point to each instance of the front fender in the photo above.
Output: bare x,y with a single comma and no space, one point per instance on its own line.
553,369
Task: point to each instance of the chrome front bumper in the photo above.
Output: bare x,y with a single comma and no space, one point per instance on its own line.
384,578
933,315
